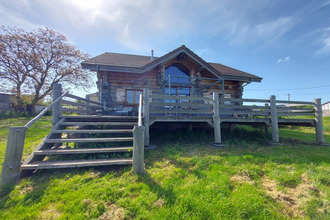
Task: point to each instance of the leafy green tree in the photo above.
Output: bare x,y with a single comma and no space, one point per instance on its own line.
31,62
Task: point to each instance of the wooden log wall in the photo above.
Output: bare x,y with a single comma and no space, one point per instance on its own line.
118,82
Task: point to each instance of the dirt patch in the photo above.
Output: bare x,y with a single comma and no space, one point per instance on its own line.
159,203
26,189
50,212
293,199
114,212
242,178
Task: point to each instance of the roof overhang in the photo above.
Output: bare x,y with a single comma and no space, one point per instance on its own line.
165,59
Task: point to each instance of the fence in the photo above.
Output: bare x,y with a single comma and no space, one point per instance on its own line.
270,112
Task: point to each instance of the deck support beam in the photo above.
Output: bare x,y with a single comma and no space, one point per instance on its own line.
11,167
216,119
146,116
275,133
318,122
138,149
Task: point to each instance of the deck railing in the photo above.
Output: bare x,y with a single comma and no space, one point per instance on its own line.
270,112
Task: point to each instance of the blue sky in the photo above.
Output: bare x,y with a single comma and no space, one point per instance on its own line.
287,43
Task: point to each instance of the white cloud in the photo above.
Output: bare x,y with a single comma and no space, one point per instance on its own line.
324,42
275,28
136,24
284,60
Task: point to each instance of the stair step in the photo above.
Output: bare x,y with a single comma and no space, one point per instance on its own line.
99,123
88,140
106,131
99,117
75,163
82,151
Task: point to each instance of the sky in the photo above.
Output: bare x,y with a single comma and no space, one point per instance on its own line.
287,43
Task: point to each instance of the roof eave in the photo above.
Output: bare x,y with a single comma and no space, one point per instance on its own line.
104,67
179,51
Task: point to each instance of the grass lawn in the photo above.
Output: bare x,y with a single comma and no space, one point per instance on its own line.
185,178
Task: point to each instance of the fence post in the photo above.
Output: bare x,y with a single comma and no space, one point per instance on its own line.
138,149
318,122
275,134
146,116
266,117
11,167
216,119
57,107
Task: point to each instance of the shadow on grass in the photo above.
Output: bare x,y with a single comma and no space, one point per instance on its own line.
167,194
239,142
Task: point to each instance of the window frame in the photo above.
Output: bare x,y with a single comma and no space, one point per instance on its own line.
135,102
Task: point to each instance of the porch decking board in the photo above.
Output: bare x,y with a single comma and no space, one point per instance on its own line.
75,163
88,140
99,123
97,131
82,151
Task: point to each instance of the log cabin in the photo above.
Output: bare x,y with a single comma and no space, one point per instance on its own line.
181,72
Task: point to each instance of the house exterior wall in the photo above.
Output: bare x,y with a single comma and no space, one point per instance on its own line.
5,102
116,85
326,109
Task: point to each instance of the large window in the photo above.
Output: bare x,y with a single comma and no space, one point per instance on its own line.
133,96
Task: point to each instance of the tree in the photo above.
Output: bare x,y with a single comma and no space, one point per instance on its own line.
31,62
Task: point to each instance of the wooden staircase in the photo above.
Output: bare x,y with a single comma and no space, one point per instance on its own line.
85,141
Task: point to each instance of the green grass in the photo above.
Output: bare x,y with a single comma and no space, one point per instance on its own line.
34,134
185,178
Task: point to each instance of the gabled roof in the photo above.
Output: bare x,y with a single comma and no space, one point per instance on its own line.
118,59
140,64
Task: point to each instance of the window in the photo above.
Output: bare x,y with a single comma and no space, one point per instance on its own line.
133,96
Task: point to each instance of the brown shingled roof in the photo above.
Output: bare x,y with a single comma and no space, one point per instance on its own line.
226,70
118,59
144,63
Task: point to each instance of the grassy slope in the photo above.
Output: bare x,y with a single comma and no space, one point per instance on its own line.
186,178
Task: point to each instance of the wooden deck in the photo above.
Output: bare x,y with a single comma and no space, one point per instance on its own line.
215,111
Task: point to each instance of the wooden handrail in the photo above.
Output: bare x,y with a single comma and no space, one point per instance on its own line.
82,99
140,112
44,111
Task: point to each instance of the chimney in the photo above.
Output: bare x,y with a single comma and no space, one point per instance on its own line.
152,55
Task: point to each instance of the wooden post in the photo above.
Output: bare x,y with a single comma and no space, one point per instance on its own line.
275,134
138,149
216,119
318,121
57,107
11,167
140,111
146,116
266,117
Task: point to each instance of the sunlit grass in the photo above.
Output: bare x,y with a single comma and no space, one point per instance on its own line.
186,178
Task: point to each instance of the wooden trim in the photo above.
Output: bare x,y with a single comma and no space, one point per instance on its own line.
183,104
180,97
79,104
253,113
74,110
82,99
294,114
174,111
294,102
246,100
241,107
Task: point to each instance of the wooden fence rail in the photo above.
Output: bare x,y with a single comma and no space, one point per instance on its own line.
235,110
